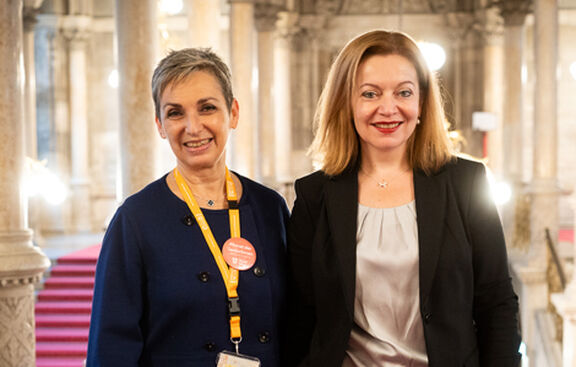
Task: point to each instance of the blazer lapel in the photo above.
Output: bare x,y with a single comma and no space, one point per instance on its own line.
342,210
431,201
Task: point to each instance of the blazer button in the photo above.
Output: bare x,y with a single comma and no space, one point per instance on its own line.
188,220
264,337
204,276
427,317
210,347
259,272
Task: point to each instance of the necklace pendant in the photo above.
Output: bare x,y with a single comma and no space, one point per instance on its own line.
211,203
383,184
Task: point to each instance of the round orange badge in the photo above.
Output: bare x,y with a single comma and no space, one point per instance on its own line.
239,253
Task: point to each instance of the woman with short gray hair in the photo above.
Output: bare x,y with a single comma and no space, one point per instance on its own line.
191,271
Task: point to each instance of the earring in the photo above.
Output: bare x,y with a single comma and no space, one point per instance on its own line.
418,121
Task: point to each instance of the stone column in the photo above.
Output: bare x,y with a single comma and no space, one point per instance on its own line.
514,14
544,186
244,141
532,293
307,43
53,118
315,29
543,189
204,15
283,95
30,10
30,125
266,16
76,32
466,60
493,34
458,25
135,27
21,264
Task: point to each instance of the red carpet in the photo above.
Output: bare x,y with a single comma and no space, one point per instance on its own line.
63,310
566,235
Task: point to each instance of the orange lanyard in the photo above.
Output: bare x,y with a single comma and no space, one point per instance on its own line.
229,274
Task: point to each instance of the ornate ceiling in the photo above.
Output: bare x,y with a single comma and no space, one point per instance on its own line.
359,7
342,7
325,7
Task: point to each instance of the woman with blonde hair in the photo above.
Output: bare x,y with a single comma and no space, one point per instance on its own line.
397,256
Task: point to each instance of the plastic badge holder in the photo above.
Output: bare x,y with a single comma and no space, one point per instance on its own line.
229,359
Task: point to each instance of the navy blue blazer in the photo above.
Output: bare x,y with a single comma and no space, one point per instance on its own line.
159,298
467,304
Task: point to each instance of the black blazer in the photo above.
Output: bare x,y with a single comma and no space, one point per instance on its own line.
468,307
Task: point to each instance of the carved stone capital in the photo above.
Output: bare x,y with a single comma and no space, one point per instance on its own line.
33,4
490,26
313,23
266,16
75,37
314,26
29,12
460,24
76,30
29,19
514,11
444,6
287,25
361,7
328,7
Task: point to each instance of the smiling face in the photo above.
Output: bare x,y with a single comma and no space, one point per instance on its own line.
385,103
196,121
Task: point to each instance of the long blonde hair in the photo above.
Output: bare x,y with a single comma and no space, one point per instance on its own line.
336,142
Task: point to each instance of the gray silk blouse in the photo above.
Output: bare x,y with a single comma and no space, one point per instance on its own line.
387,328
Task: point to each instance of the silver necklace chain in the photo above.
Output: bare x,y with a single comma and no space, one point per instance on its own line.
384,183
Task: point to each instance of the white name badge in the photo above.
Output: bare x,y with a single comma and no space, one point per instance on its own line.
229,359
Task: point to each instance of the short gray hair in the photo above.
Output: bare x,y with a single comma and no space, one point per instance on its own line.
178,65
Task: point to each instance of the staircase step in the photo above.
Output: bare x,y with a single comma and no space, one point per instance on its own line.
63,310
69,282
73,270
61,334
71,349
65,295
76,260
88,255
59,362
51,307
62,320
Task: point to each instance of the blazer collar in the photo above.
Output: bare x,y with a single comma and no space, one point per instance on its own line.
341,198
